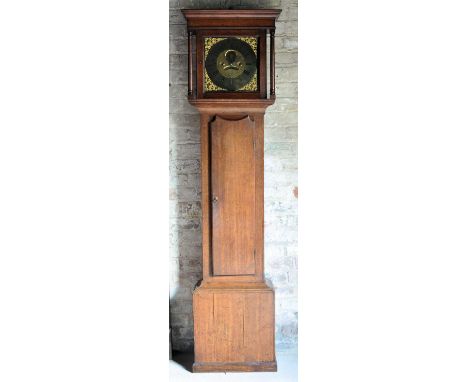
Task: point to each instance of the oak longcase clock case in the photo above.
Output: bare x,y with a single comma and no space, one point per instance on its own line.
233,305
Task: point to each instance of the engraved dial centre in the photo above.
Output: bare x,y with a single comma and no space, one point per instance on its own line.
230,63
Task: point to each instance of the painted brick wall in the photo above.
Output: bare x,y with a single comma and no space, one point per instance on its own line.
280,176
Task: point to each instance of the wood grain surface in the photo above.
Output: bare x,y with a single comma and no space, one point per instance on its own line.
238,326
233,196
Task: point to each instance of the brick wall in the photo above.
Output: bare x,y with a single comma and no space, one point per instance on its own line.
280,176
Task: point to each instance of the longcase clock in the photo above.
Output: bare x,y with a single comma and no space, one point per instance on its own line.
233,305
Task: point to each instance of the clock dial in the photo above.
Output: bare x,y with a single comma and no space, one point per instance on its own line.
231,64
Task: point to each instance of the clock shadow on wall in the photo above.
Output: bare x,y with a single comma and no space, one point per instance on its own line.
231,69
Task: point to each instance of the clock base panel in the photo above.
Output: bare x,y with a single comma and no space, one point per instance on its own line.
234,328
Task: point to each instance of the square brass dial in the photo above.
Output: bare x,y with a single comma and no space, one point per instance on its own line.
209,42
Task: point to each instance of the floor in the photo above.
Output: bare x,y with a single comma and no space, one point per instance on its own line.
180,366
